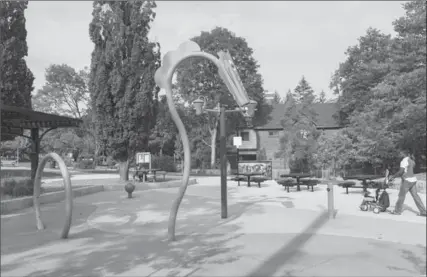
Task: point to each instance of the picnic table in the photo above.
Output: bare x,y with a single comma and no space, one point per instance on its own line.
364,178
142,173
296,176
248,175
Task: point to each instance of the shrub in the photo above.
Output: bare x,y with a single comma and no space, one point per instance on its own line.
17,187
68,161
100,160
165,163
86,164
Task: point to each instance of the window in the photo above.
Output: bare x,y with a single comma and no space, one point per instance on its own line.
245,136
273,133
247,157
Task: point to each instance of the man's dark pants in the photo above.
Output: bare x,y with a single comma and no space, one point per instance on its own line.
412,188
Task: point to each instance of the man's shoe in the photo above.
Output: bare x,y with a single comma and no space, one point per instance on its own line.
422,214
394,213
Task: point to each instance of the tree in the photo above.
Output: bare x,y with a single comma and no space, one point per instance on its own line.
364,68
382,88
122,87
16,79
399,100
164,132
200,77
334,151
303,92
298,142
322,97
277,98
66,91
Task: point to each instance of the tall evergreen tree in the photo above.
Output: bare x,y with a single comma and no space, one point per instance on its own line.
122,87
277,98
16,79
303,92
298,142
322,97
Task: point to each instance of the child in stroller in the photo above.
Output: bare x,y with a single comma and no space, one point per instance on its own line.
380,202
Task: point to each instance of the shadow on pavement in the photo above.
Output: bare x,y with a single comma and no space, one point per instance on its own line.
202,237
408,208
290,249
418,261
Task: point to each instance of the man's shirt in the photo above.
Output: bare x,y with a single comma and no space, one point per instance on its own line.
408,166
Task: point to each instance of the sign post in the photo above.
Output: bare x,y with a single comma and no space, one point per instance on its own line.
237,141
144,158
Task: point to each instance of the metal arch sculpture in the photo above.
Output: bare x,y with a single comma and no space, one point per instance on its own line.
68,193
163,78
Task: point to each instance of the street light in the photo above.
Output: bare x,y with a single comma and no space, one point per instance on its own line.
251,108
248,111
163,78
198,106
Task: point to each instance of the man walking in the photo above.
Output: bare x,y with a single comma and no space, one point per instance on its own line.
409,183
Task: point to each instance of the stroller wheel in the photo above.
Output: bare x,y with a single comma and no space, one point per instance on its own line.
376,210
364,207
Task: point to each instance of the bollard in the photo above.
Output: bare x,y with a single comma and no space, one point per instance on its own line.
331,210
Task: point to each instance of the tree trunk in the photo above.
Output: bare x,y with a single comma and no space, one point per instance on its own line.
213,133
213,147
124,171
96,154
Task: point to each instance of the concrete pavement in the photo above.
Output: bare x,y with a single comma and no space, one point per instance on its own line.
268,233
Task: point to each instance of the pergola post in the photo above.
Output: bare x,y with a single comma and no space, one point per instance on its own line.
35,152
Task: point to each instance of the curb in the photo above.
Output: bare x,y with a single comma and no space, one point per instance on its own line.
8,206
11,205
148,185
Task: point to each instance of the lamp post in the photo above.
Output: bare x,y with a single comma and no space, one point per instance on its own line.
163,78
248,112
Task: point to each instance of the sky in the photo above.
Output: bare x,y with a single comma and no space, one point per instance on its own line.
290,39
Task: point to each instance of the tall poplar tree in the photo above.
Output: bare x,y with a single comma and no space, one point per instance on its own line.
16,79
122,87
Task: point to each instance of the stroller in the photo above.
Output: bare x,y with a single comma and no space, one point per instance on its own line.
381,201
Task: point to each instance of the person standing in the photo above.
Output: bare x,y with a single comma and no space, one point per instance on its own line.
409,183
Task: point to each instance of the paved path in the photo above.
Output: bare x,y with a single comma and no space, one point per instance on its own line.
268,233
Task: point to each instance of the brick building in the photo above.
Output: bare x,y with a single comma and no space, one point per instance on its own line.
262,142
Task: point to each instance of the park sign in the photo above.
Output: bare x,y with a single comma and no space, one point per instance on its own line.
237,141
143,158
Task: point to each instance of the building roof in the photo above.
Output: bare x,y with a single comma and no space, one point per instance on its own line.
325,116
22,118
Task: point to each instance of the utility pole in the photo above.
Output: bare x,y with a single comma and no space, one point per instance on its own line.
223,159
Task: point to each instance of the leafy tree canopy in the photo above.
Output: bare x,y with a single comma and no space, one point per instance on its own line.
382,87
122,87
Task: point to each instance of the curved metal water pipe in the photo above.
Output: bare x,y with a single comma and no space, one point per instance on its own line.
68,193
163,78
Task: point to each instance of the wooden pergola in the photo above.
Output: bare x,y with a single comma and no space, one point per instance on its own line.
14,120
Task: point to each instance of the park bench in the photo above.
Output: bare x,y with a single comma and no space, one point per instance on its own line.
163,173
287,183
258,179
238,178
138,174
370,184
310,183
349,184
